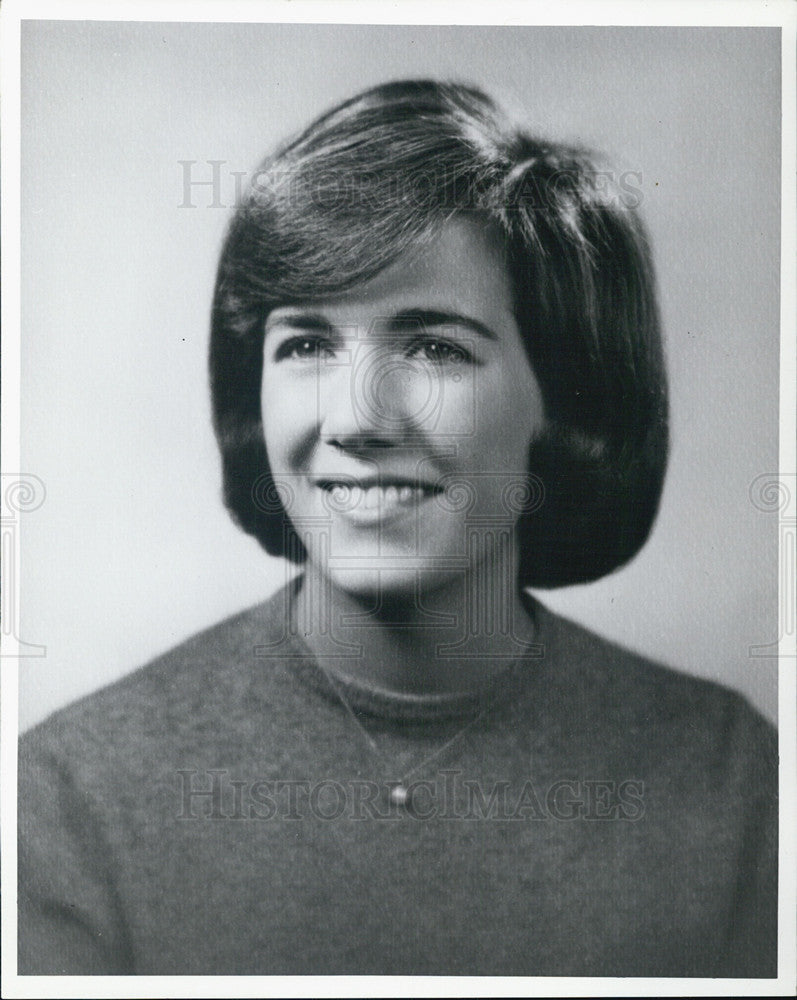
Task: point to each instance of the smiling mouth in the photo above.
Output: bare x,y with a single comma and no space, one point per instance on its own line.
376,496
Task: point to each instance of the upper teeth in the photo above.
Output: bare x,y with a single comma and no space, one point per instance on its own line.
378,496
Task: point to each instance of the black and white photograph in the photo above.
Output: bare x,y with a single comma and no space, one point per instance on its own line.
398,546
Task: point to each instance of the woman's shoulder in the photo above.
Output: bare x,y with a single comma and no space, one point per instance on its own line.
605,684
207,676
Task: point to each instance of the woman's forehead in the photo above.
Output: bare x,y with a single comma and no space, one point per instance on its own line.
461,266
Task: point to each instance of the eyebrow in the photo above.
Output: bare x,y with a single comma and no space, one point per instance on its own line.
434,317
298,321
422,317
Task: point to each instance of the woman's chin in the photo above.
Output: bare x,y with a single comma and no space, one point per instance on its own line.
401,584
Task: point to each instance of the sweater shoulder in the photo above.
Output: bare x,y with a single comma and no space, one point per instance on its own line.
639,695
205,676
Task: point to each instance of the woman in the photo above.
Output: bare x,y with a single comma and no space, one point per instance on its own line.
437,380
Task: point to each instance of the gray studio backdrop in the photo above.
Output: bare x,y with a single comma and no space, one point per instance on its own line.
131,550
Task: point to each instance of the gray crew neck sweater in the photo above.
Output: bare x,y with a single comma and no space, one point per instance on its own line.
221,811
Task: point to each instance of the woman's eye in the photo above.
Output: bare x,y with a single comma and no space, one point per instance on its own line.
441,352
304,348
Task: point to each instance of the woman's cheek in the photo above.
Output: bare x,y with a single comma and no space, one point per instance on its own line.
456,410
285,428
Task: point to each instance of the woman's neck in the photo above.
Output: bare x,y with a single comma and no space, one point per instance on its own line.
446,640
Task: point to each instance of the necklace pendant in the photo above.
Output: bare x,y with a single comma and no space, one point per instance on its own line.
399,795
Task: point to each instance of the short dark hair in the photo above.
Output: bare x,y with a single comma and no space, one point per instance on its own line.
376,175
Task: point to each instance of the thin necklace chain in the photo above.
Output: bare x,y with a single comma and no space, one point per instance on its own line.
400,793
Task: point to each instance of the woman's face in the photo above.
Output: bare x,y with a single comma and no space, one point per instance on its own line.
398,416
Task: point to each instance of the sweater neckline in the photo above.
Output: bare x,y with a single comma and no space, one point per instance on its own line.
363,699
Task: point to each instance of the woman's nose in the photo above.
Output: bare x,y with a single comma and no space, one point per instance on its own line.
371,399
